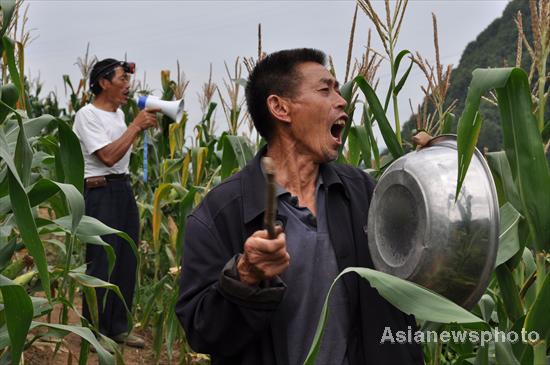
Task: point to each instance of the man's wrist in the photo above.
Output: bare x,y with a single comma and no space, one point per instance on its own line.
136,127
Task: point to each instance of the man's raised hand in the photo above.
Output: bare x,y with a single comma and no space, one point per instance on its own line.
263,258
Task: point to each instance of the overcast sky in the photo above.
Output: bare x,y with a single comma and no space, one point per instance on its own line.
155,34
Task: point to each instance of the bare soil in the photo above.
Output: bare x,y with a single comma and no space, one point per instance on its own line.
43,353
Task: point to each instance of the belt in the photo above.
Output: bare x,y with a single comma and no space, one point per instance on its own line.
99,181
116,177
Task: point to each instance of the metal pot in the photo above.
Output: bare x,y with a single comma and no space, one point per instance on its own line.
417,232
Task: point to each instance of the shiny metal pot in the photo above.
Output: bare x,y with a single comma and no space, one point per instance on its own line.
417,231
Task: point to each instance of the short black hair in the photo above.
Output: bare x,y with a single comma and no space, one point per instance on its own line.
103,69
276,74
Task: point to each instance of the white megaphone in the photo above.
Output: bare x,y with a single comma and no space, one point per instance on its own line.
172,109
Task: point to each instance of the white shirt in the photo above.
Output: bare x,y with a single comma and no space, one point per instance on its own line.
96,128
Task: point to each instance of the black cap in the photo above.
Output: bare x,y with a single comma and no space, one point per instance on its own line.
106,66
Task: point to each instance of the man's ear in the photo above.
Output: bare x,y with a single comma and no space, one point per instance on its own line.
279,107
103,83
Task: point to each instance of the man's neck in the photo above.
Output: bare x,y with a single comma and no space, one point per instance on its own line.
102,102
295,172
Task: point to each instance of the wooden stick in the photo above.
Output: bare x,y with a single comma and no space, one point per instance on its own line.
271,201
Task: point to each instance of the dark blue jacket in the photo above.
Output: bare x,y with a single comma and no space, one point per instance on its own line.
232,321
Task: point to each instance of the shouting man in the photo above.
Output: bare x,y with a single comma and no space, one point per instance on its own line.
248,299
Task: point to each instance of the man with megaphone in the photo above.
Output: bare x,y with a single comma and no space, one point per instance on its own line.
106,144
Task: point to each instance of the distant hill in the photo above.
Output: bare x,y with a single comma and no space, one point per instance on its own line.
493,47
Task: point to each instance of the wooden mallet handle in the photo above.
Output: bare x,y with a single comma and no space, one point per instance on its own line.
271,202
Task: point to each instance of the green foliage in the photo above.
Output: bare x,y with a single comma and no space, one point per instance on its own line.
41,167
494,47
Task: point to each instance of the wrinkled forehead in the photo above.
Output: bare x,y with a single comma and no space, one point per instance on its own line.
315,74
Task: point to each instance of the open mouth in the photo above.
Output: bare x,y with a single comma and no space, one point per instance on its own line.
337,129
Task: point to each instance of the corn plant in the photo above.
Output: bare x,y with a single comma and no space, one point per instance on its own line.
39,170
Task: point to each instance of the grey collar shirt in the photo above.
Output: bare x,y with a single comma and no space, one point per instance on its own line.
312,270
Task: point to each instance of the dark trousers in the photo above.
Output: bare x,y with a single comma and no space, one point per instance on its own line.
115,206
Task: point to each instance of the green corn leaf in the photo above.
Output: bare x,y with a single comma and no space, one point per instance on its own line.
507,192
347,91
8,7
7,158
171,324
448,122
522,143
185,207
84,351
73,197
59,170
403,79
502,175
525,152
364,144
504,353
523,351
241,148
236,154
545,131
537,318
211,107
44,189
529,262
91,300
198,162
160,193
18,314
368,127
8,45
109,251
93,283
509,293
90,226
28,229
9,96
105,358
482,356
508,240
7,248
529,268
354,152
408,297
486,306
158,329
42,160
378,113
346,130
23,155
71,156
469,123
24,216
150,302
396,65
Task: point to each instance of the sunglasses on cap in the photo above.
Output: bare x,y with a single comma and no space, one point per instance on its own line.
128,67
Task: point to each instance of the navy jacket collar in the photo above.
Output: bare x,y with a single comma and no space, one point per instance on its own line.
253,185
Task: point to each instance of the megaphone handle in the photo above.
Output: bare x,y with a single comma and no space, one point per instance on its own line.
145,155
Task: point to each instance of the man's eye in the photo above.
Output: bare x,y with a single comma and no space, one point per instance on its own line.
325,89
